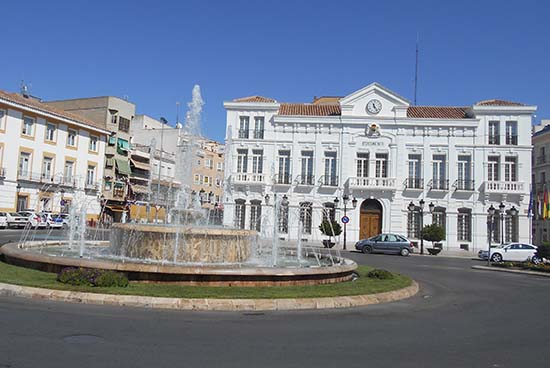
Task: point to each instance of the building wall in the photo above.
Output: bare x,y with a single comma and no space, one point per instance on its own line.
541,179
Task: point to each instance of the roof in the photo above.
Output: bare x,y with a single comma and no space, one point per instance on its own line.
255,99
496,102
297,109
437,112
42,107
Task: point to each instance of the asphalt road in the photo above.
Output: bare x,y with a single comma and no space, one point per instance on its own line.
460,318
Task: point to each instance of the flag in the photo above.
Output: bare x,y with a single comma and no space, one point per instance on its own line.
530,208
545,205
537,213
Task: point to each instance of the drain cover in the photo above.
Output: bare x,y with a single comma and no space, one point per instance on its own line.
83,339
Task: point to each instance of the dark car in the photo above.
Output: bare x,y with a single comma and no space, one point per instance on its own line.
385,243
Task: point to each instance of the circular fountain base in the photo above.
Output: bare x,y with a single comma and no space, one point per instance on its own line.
215,275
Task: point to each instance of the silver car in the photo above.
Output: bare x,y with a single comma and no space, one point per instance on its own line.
385,243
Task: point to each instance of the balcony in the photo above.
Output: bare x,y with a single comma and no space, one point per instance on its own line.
248,178
512,187
512,140
329,180
372,183
282,178
91,185
414,183
438,184
494,139
35,177
464,185
258,134
243,133
305,180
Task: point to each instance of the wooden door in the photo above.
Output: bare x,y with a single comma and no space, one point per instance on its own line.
370,225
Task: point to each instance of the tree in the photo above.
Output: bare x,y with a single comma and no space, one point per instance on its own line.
433,233
330,228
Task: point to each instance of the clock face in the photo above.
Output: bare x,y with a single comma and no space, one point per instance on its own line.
374,106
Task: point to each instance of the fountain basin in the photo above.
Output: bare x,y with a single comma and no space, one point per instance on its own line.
29,255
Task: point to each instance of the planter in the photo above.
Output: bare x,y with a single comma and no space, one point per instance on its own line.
328,244
434,251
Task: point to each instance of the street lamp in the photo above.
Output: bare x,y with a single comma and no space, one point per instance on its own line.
501,207
412,207
490,223
345,199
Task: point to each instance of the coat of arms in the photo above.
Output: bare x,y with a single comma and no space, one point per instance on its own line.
372,130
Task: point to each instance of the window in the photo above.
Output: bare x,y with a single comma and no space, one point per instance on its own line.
244,126
510,169
197,179
206,180
123,124
219,166
493,168
255,215
108,185
90,175
494,132
242,160
257,162
283,217
24,164
47,168
362,165
331,179
69,170
494,223
240,213
3,115
284,167
439,218
512,228
218,181
307,168
415,171
464,166
28,126
439,178
114,119
50,132
306,214
199,162
512,133
413,223
381,165
71,137
259,127
93,143
464,224
208,163
329,211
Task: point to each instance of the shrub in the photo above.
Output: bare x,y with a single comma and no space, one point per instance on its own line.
543,251
92,277
433,233
330,228
380,274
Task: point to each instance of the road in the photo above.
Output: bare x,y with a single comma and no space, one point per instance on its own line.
460,318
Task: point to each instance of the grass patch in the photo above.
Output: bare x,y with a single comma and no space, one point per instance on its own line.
10,274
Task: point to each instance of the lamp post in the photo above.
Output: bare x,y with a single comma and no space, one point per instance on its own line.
490,224
501,207
345,199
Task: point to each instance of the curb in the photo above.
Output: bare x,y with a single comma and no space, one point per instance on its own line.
498,269
209,304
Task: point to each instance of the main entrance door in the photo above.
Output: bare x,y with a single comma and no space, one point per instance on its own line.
371,218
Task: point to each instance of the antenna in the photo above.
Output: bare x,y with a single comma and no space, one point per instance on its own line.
416,70
24,89
177,112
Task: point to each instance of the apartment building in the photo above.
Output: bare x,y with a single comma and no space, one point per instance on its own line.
541,180
47,156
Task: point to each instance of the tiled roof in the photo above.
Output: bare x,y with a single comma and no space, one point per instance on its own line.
496,102
436,112
35,104
254,99
296,109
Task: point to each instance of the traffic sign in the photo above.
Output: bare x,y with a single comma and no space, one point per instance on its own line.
345,219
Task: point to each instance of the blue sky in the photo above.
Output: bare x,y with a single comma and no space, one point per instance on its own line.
154,52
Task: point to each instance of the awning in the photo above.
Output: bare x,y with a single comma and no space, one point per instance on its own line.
123,144
122,166
112,140
140,165
115,208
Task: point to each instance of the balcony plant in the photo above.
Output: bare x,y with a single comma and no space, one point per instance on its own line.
433,233
330,229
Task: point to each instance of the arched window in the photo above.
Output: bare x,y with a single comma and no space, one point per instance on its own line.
464,224
255,215
240,213
306,213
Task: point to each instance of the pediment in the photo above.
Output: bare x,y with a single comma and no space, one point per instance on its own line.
355,104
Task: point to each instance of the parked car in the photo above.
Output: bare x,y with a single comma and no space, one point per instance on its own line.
66,219
517,252
35,219
385,243
3,220
16,220
53,220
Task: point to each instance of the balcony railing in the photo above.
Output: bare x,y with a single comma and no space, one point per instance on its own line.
439,184
243,133
373,183
248,178
282,178
91,185
414,183
512,140
329,180
504,187
258,134
305,180
35,177
494,139
464,185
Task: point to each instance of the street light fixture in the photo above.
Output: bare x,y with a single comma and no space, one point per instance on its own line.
345,199
501,207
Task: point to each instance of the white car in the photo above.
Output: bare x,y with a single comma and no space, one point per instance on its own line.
35,219
16,220
3,220
53,221
515,252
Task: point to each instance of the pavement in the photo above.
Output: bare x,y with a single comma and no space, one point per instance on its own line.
461,317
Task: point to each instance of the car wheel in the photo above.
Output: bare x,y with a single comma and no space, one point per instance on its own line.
404,252
367,249
536,260
496,258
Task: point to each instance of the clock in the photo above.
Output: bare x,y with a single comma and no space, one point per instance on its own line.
374,106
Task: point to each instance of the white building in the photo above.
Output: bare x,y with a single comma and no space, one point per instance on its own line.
47,155
374,146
